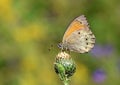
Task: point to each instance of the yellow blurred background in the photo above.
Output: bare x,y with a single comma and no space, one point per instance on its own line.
28,28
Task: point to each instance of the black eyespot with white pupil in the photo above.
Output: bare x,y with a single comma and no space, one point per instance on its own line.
80,22
86,43
78,32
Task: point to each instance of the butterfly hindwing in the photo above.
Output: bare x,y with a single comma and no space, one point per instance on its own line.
80,41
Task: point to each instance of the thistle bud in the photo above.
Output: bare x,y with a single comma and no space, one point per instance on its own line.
64,66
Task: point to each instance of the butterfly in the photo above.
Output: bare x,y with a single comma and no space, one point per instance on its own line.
78,36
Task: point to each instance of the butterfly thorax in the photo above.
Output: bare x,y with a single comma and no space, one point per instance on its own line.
63,46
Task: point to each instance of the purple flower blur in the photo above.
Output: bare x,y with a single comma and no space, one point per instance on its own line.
102,50
99,76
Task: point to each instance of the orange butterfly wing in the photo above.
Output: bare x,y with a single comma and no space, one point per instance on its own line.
75,25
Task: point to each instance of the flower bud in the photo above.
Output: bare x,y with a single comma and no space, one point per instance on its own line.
64,65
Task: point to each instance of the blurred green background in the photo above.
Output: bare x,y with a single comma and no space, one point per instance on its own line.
28,28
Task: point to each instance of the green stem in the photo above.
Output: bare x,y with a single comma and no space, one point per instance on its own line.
66,82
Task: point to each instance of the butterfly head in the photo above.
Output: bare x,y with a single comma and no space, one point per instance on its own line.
60,45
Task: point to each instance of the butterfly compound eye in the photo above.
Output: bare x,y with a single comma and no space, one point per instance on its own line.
60,45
